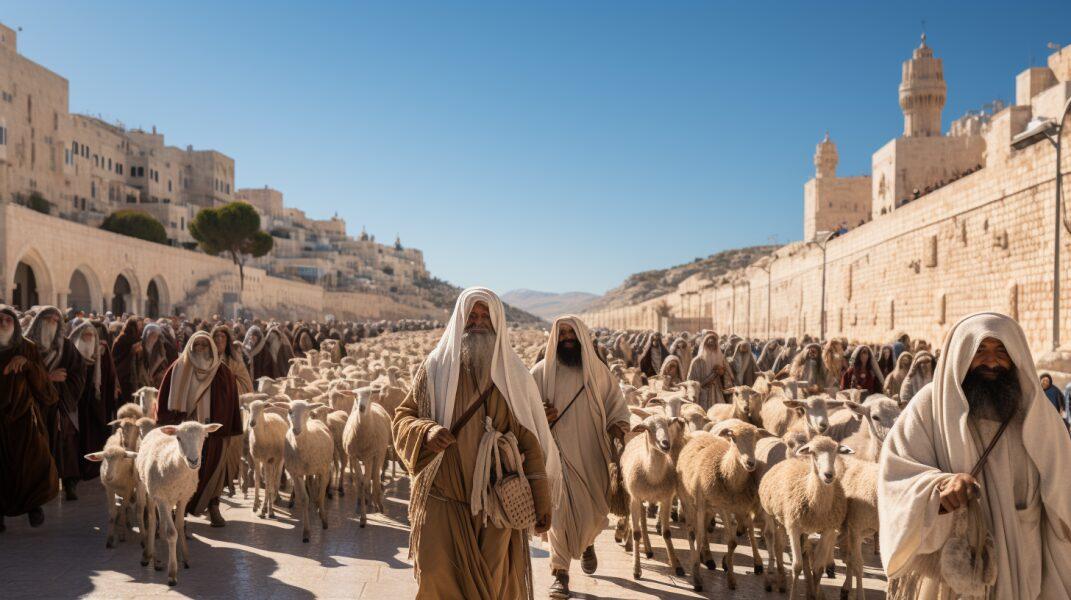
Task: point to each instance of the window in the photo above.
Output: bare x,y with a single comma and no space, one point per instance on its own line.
67,156
96,160
92,190
169,185
3,135
109,164
74,147
119,168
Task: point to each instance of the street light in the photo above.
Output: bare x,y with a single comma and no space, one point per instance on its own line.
821,239
1035,132
766,264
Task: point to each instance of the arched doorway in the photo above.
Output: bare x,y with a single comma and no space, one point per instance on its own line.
122,296
25,293
152,301
81,296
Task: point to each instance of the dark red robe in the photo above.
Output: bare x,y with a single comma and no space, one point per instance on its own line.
96,411
27,472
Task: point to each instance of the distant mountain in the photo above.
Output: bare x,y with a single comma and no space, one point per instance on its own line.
549,305
444,294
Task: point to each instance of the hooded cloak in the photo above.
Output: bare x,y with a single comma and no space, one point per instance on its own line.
895,379
744,370
870,380
916,377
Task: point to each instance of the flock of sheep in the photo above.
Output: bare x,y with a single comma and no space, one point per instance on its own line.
773,461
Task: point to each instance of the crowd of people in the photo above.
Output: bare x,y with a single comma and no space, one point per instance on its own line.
560,409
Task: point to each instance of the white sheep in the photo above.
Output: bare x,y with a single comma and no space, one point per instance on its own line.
746,405
366,438
811,415
804,496
117,477
267,439
649,473
307,457
167,464
146,398
876,415
860,483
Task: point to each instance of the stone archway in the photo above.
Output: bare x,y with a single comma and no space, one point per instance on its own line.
81,296
122,296
25,293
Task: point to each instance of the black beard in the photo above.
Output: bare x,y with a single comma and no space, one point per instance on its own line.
992,394
569,353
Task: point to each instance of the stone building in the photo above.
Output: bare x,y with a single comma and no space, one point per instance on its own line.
978,235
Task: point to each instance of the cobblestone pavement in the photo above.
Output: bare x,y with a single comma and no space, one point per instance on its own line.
252,557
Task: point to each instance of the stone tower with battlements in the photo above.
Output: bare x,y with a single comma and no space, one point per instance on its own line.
922,92
831,202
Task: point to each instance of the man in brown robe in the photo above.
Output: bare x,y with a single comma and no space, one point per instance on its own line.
66,372
27,471
151,357
199,387
456,553
123,354
97,405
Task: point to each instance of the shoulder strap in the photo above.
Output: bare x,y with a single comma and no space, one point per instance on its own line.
471,410
567,407
981,460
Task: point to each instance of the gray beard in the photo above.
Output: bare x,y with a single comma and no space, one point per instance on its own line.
477,350
201,360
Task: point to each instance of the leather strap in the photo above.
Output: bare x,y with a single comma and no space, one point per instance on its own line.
570,405
471,410
981,460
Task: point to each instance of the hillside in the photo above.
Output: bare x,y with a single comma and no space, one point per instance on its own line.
443,295
651,284
549,305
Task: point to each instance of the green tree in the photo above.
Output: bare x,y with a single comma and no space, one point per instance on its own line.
37,202
135,224
232,229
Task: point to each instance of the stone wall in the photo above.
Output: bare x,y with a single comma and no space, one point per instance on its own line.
983,242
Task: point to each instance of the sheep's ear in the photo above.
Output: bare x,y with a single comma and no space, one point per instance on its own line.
794,403
95,456
679,421
764,433
709,426
130,454
169,429
316,405
114,423
856,408
835,403
845,450
804,450
640,428
726,433
213,427
656,401
639,412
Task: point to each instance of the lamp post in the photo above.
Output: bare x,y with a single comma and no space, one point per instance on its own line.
821,239
767,266
1051,130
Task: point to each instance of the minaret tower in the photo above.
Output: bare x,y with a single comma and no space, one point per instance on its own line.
825,159
922,93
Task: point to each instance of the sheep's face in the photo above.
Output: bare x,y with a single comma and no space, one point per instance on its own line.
825,457
815,411
661,431
256,409
364,399
745,437
746,401
300,411
190,437
880,412
129,430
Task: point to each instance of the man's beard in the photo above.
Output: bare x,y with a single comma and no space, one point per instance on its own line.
996,398
201,359
810,370
85,348
569,353
48,333
477,349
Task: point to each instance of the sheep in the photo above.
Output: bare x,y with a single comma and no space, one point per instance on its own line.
307,456
746,406
130,410
167,465
366,436
715,474
128,430
878,413
146,398
649,473
811,415
267,439
694,416
117,477
860,484
804,496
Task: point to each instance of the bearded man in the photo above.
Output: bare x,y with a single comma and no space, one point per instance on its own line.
683,351
584,406
709,368
768,355
920,373
66,372
985,386
785,355
303,341
809,366
652,355
671,374
269,354
124,354
27,470
199,387
97,405
457,550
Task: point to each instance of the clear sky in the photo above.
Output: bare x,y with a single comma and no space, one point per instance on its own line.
555,146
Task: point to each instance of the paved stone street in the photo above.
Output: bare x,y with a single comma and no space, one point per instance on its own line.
265,559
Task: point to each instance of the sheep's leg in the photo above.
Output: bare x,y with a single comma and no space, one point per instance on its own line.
301,505
798,544
628,532
824,557
113,517
636,513
377,482
322,483
124,518
362,499
667,537
731,526
180,526
171,535
769,535
756,558
856,568
256,492
700,534
619,530
148,550
647,536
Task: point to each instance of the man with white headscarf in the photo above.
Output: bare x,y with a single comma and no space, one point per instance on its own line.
457,552
150,356
584,406
709,368
744,369
97,405
920,373
199,387
985,384
66,372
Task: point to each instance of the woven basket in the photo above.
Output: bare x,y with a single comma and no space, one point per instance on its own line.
515,499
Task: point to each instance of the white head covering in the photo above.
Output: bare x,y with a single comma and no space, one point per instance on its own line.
77,328
909,491
191,387
507,372
596,373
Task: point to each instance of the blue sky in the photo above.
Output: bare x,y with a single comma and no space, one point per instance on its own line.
555,146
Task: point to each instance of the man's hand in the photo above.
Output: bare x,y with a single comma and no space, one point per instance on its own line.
440,439
15,365
542,524
59,375
552,413
957,491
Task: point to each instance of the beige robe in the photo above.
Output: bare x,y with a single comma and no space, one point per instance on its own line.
712,393
455,555
581,435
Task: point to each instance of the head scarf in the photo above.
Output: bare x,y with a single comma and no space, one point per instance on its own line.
16,337
596,373
191,387
77,328
871,363
53,354
253,348
508,373
711,357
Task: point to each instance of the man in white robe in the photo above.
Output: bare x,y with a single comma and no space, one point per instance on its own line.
584,406
709,368
985,376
